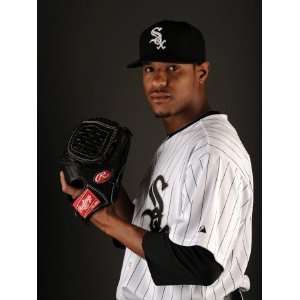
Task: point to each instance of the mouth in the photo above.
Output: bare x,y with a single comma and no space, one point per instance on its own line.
157,97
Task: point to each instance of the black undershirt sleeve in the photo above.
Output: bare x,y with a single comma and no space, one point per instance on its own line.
118,244
172,264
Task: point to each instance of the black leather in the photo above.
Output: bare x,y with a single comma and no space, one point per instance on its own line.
94,161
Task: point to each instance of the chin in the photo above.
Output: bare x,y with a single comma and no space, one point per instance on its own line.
162,114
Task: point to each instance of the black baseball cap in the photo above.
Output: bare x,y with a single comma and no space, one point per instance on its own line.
170,41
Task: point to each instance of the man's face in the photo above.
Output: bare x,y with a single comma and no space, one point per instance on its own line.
171,89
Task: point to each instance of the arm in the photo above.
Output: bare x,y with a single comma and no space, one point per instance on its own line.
173,264
123,209
183,265
111,224
114,220
123,206
168,262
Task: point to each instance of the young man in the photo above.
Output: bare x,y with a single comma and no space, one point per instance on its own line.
190,234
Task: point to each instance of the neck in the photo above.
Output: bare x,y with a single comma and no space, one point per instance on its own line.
175,123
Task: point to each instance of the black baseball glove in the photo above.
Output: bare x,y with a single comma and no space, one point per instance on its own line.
94,161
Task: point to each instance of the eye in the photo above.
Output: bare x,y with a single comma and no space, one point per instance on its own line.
172,68
148,69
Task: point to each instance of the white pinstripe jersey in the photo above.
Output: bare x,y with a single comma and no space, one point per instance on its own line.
200,184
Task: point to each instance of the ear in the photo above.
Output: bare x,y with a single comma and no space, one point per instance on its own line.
202,71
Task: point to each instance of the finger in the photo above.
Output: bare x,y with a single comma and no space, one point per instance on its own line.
64,186
61,176
68,189
63,181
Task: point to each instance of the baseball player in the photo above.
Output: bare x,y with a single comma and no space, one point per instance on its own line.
190,233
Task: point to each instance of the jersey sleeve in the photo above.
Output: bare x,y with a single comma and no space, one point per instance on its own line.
210,212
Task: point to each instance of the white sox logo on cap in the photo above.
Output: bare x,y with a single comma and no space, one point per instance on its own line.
158,41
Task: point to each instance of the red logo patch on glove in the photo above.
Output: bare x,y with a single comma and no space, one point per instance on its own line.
102,176
86,203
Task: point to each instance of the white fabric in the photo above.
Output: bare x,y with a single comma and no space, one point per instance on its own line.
203,176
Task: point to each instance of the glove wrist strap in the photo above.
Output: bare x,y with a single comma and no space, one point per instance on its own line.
86,203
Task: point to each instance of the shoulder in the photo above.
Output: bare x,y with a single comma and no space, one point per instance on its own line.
216,139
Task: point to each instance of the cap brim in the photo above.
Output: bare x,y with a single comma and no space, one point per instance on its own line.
135,64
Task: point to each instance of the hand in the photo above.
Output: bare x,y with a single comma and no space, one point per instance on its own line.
68,189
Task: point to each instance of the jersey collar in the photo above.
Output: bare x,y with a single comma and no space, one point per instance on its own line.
210,112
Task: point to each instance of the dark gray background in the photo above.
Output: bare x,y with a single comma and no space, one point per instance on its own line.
83,47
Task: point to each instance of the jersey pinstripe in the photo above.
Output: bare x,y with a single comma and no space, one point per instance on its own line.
200,185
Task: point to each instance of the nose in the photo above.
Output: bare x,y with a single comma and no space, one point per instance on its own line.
160,80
